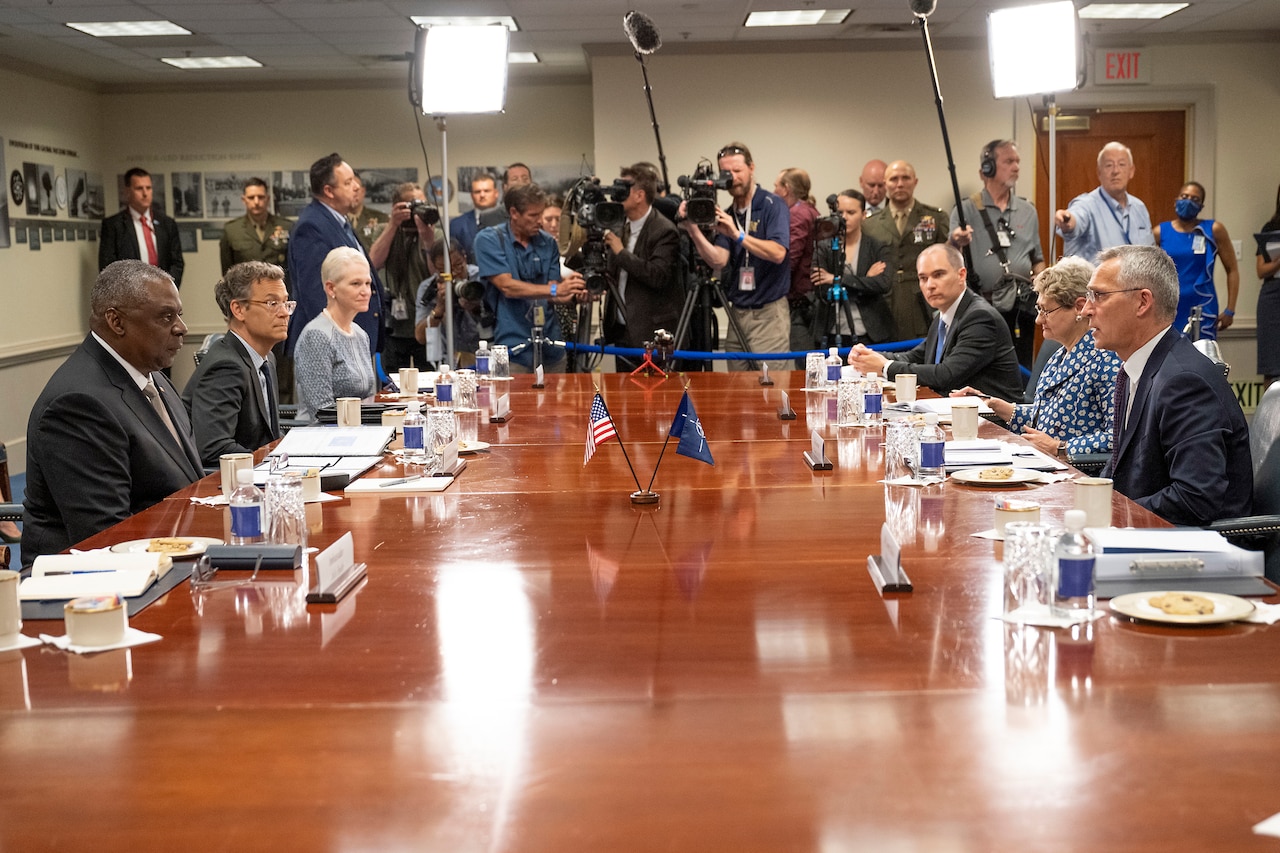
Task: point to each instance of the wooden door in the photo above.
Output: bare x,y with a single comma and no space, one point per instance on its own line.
1158,140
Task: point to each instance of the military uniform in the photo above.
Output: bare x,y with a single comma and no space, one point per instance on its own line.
240,241
368,225
925,226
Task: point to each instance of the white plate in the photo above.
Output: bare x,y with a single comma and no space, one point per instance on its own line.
472,446
1227,608
139,546
971,477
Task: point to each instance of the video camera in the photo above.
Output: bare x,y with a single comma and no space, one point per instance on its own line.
832,224
699,193
596,209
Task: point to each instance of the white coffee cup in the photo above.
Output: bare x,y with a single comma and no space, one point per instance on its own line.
1093,495
964,420
231,464
408,380
395,418
906,387
348,411
10,609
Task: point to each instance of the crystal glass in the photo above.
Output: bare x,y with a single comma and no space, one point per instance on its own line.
500,363
815,371
286,512
899,444
849,403
464,389
442,428
1028,564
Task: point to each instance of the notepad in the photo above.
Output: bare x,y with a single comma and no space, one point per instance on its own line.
56,577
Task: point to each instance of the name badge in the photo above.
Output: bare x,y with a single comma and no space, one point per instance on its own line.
1197,244
746,279
399,308
1003,237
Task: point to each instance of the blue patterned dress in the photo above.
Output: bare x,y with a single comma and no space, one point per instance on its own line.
1074,398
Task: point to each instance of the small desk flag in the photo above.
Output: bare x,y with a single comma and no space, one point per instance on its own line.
688,429
599,427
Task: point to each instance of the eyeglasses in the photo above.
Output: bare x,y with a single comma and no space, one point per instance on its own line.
730,150
1043,313
1096,296
273,305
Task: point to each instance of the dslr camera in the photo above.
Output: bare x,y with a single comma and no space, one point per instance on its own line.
429,214
699,193
596,209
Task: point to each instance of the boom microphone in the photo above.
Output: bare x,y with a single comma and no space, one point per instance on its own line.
923,8
832,201
643,35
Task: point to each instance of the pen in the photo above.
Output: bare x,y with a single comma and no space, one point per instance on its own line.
398,482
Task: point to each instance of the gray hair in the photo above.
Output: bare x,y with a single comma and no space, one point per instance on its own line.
1115,146
123,284
1066,281
955,259
338,260
237,284
1150,268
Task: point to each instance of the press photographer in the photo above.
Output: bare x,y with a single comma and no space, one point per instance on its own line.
472,319
400,256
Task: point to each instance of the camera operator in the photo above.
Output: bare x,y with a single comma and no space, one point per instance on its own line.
642,264
863,275
752,236
400,256
472,321
520,264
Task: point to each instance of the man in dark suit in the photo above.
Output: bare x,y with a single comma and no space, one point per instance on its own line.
139,232
866,282
968,342
1182,446
108,437
642,266
232,395
907,227
486,211
321,228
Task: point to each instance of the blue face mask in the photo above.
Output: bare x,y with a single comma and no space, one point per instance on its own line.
1187,208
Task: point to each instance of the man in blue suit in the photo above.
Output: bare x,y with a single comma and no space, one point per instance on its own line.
321,228
464,227
1182,446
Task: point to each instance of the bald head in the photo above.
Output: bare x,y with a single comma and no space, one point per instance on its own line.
872,181
900,181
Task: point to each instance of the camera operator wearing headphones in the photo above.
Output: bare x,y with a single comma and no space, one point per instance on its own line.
642,263
400,256
1004,239
749,254
520,264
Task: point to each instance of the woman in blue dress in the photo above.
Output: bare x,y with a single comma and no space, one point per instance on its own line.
1072,411
1195,244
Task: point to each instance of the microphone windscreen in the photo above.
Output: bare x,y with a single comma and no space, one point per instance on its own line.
923,8
832,200
641,32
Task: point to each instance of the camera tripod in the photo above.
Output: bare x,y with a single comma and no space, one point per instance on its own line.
699,301
582,330
826,314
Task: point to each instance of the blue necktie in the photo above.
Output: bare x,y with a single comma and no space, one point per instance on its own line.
351,235
942,341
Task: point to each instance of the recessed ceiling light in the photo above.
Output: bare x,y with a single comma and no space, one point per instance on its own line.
465,21
115,29
797,18
1131,11
522,57
190,62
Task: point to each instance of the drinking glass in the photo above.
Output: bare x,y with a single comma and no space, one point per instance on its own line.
1028,564
500,363
286,512
815,371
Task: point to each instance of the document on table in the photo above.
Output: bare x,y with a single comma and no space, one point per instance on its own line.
335,441
352,466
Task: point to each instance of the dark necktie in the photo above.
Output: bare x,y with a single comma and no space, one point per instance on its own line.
1118,415
351,234
942,341
273,416
149,233
153,396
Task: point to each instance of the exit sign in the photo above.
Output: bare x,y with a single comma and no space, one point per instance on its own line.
1118,66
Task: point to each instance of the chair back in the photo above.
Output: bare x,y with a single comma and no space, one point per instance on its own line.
1265,450
209,341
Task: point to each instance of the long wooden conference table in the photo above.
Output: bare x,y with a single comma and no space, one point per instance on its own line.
535,664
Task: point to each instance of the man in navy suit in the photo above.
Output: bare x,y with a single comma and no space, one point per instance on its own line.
108,437
139,232
1182,446
232,396
464,227
321,228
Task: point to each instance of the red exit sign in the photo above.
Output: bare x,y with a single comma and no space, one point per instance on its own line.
1121,66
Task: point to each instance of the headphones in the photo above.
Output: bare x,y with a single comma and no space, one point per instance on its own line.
988,166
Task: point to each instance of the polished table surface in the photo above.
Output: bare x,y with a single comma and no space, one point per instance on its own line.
535,664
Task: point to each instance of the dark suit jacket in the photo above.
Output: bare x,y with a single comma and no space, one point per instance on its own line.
316,233
978,352
910,312
224,399
867,292
97,452
654,296
1184,453
119,241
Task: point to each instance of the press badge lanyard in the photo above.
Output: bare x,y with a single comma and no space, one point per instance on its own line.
746,275
1115,215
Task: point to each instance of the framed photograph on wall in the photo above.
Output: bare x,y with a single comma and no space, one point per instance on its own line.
291,191
188,195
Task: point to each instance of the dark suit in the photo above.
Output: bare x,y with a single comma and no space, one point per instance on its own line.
1184,452
978,352
867,292
224,399
910,312
653,296
97,452
463,228
119,241
316,233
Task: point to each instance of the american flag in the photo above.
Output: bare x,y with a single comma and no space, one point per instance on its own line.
599,428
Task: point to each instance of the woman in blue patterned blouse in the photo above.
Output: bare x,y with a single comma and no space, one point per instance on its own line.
1072,412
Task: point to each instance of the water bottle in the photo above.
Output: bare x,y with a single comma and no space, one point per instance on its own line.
444,388
932,454
1073,564
833,368
415,452
872,400
482,359
246,510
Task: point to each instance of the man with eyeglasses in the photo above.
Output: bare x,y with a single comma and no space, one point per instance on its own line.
752,237
232,397
1107,216
108,436
1003,234
1182,447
